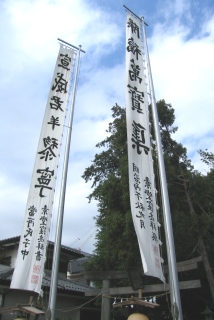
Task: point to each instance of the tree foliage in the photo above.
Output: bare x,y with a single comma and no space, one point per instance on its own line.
191,196
116,245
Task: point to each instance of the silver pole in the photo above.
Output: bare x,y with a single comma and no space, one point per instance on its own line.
58,235
174,286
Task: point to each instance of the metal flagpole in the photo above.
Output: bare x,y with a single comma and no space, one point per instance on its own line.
58,236
174,286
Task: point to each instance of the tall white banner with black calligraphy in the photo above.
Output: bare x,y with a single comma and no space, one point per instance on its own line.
141,175
31,257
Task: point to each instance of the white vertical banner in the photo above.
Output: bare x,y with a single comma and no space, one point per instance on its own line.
31,256
141,174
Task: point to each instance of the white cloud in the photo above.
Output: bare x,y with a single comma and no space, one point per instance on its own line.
37,24
208,29
173,12
183,72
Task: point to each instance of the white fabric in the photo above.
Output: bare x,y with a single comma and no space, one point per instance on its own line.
31,256
141,175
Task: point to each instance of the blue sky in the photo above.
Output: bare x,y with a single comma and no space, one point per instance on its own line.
181,43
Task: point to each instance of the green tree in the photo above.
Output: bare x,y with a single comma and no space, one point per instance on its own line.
116,245
207,157
192,211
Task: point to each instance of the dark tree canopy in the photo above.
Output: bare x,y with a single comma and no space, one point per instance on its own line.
116,246
191,197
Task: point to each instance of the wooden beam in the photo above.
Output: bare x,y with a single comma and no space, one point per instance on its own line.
190,261
121,274
186,265
191,284
182,268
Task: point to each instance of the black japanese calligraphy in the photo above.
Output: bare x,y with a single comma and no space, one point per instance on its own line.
138,138
41,239
154,237
42,231
60,84
147,183
138,205
26,243
54,121
137,182
44,220
45,210
134,27
142,224
138,195
65,61
44,180
56,104
40,246
50,144
133,47
140,213
32,210
30,222
137,98
134,73
24,253
38,255
135,168
149,200
29,231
